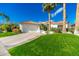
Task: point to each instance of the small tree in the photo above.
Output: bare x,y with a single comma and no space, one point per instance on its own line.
43,27
7,21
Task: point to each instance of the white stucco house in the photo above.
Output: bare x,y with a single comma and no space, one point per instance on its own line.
56,24
35,26
29,27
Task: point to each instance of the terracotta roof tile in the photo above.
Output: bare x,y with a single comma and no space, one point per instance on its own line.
58,23
29,23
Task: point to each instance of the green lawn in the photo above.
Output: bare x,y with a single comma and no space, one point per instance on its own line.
7,34
49,45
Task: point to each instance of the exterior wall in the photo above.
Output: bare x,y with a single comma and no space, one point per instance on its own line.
57,26
20,25
54,26
29,28
66,25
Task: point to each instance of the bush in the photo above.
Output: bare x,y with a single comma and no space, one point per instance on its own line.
16,30
0,31
10,28
3,27
56,30
71,30
43,27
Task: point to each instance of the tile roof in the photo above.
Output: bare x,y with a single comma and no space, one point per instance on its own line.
58,23
30,22
52,22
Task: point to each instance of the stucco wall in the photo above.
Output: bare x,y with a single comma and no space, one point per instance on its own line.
29,27
54,26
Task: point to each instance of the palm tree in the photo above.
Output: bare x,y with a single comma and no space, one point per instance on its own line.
77,20
64,18
48,7
6,17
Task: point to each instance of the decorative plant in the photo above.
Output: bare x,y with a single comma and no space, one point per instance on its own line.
56,30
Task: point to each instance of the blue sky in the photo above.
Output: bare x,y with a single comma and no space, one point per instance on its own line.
21,12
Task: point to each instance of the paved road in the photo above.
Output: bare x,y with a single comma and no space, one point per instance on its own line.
11,41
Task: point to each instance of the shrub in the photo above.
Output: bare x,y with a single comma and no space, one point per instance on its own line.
56,30
0,31
5,27
9,28
71,30
43,27
16,30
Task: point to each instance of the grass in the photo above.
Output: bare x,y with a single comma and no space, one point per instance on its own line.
49,45
6,34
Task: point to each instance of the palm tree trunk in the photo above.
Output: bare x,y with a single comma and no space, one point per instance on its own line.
64,18
77,20
49,22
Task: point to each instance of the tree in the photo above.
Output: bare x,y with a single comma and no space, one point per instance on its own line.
77,20
48,7
6,19
64,18
43,27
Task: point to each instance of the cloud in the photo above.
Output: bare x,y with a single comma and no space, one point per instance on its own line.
58,11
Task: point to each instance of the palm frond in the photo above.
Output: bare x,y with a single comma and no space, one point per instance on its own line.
48,6
7,17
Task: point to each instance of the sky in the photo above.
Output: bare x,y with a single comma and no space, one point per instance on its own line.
23,12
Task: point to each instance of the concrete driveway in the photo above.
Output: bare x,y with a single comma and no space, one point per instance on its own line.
11,41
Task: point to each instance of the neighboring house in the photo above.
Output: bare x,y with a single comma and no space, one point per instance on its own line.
29,27
72,26
56,24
